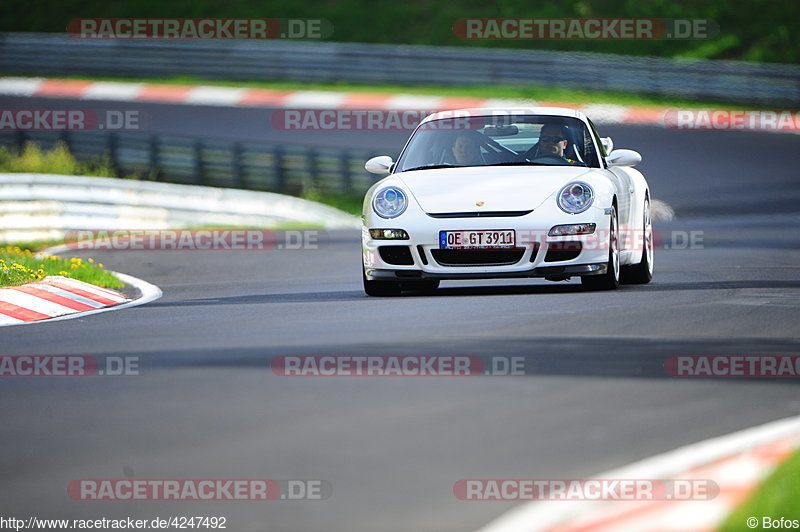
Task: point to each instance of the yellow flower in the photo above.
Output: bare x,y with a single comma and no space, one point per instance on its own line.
91,261
100,265
62,272
74,267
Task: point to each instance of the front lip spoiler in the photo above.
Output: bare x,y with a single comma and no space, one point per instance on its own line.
542,271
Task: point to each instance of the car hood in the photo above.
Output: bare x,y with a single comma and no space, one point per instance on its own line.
500,188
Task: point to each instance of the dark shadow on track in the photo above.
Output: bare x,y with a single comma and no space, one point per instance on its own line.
354,295
544,356
466,291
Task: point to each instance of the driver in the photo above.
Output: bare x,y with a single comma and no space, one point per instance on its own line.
552,143
466,150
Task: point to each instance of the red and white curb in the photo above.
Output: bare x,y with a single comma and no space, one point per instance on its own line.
299,99
51,297
57,298
784,121
737,463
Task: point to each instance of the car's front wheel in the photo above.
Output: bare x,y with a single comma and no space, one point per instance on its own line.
642,273
610,279
380,288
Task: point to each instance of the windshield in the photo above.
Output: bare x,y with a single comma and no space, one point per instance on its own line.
500,140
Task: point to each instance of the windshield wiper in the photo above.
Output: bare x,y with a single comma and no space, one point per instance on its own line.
520,163
432,167
531,163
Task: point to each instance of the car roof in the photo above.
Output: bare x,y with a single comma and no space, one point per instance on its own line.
490,111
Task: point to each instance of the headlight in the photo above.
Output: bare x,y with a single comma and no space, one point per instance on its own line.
389,202
575,198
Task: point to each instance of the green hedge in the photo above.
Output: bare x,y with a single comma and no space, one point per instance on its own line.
753,30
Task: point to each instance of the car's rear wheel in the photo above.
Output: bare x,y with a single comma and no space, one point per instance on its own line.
380,288
610,279
642,273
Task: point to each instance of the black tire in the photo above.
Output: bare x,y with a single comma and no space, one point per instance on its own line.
610,279
380,288
642,273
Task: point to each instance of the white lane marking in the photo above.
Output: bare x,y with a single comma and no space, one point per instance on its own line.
315,100
36,304
207,95
20,86
107,90
539,516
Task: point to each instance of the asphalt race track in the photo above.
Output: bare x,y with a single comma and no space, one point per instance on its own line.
595,395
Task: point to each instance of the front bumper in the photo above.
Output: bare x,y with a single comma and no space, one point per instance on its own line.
542,271
420,256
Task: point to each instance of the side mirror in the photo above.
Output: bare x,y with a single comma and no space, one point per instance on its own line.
608,144
623,158
380,165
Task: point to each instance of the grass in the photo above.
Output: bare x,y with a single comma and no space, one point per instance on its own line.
349,203
20,265
59,160
777,497
516,92
755,30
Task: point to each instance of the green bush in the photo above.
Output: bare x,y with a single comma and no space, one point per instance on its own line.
753,30
59,160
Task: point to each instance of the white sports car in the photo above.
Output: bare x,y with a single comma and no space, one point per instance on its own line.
488,193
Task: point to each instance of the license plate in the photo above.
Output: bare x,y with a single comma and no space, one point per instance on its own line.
490,238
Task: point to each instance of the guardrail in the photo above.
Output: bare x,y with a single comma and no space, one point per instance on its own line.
221,163
59,54
43,206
